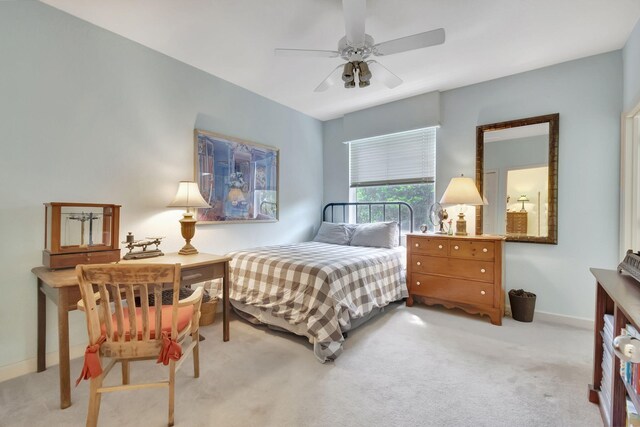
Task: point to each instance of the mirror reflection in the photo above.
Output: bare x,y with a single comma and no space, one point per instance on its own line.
517,173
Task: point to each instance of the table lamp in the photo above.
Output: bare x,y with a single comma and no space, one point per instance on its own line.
523,198
461,191
189,197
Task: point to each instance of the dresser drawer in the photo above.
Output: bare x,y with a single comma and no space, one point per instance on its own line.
470,249
429,246
454,290
458,268
192,275
55,261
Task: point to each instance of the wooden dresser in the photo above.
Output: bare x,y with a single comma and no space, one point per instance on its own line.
461,272
517,223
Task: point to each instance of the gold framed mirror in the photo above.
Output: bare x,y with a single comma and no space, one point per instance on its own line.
517,175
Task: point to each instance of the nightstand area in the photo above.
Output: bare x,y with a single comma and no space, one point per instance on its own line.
457,272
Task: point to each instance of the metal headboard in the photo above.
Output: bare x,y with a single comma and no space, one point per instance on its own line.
386,206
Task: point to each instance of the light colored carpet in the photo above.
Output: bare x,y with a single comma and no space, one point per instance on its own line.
419,366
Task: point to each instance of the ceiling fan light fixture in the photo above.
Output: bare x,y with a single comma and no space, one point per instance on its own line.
357,46
365,73
348,73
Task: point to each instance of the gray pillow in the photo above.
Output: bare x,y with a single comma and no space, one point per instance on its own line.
335,233
376,234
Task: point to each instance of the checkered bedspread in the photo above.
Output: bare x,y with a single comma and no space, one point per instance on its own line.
318,285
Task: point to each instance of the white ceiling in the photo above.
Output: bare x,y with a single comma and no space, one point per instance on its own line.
234,40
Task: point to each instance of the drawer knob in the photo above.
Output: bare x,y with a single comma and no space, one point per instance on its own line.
418,263
417,245
482,292
455,247
482,270
439,246
484,249
418,283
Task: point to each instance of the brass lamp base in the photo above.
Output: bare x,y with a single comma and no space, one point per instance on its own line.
188,230
188,249
461,225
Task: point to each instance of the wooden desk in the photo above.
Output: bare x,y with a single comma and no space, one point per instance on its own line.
61,286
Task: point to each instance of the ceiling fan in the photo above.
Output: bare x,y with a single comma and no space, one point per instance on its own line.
356,46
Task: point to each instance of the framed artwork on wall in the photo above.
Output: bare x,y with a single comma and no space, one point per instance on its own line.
239,179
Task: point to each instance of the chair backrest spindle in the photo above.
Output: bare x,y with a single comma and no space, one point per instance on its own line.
125,285
144,307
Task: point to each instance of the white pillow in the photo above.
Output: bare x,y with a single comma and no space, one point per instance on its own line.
335,233
376,234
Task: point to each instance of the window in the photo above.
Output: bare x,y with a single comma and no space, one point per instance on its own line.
395,167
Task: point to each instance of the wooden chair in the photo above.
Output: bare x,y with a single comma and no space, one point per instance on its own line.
157,332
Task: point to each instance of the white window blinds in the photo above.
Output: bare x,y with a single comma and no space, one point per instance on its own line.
398,158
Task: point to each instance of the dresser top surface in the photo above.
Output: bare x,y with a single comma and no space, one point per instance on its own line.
484,237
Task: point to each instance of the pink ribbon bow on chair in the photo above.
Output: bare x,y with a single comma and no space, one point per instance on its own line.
92,367
170,350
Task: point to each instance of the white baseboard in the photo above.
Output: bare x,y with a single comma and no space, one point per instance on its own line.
561,319
31,365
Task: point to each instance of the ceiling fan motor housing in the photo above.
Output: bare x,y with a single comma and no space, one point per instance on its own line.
352,53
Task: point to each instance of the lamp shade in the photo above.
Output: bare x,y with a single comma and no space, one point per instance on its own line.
188,196
461,191
523,198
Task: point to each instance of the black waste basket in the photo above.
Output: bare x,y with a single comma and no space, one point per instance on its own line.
523,304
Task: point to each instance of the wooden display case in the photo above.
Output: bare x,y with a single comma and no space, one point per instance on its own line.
80,233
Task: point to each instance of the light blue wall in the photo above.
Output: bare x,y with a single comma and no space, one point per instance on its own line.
631,57
336,162
514,153
89,116
416,112
588,95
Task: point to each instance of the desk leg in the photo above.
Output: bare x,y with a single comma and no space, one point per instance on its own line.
225,303
42,327
63,348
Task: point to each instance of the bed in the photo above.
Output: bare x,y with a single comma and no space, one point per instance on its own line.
322,290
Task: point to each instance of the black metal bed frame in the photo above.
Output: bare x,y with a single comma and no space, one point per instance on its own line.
398,205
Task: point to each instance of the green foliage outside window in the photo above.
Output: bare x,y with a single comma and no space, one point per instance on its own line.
419,196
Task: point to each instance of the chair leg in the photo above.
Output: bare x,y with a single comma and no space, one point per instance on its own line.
94,401
196,355
172,381
125,372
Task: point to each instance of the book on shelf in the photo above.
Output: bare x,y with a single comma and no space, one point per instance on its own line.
630,372
633,419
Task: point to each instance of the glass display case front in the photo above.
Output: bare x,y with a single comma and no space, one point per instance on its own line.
80,228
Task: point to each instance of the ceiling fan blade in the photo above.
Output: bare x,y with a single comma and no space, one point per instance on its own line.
333,78
307,52
416,41
355,12
381,73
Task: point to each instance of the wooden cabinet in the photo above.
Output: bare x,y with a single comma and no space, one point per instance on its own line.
618,295
460,272
516,222
80,233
